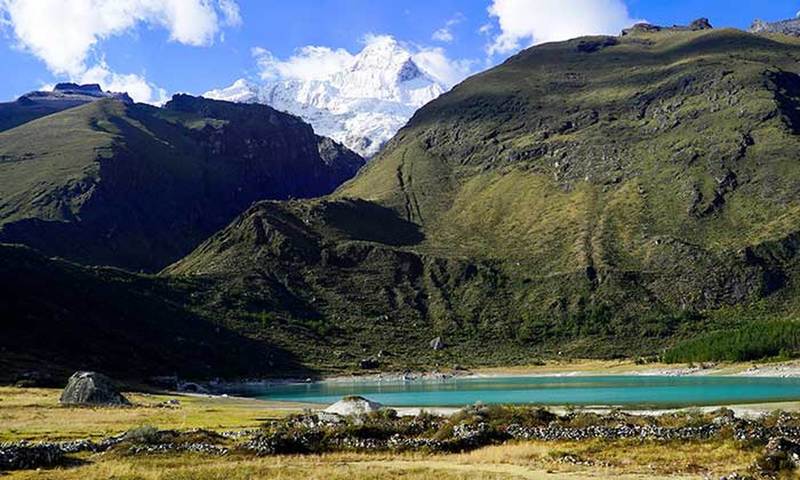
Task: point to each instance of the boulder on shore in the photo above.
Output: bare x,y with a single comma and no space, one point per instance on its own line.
353,406
91,388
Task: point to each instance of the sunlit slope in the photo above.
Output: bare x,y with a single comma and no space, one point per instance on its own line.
686,135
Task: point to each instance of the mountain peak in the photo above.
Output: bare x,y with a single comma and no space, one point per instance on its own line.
241,91
409,71
87,89
389,58
362,105
381,53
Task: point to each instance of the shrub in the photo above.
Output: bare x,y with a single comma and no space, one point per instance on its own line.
751,341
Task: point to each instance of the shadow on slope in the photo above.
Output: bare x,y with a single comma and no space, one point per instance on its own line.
58,317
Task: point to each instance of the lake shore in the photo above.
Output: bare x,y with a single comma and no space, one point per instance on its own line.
588,368
785,369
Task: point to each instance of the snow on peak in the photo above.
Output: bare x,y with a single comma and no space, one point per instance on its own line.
241,92
362,104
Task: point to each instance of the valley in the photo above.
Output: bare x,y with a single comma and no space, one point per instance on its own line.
581,262
532,212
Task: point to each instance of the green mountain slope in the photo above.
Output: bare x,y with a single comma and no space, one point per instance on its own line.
138,187
597,197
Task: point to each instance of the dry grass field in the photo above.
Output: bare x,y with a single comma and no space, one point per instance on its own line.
34,414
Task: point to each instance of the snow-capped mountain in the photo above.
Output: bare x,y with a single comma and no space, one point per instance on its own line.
362,105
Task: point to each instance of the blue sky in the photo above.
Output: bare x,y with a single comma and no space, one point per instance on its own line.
156,47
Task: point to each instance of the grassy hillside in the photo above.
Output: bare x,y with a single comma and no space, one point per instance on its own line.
138,187
14,114
596,197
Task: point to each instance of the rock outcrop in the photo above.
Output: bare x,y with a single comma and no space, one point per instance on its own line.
785,27
91,388
697,25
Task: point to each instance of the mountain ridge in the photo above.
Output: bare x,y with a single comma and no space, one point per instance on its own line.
138,186
63,96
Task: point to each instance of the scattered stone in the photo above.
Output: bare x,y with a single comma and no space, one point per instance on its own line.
161,448
437,344
780,454
353,406
736,476
23,455
91,388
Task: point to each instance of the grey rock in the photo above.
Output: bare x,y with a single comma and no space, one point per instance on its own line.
77,94
437,344
641,28
23,455
353,406
91,388
780,453
785,27
700,24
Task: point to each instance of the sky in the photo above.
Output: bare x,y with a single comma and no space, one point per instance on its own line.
155,48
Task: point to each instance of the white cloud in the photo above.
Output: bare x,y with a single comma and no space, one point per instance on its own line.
526,22
64,33
318,62
437,64
135,85
445,34
231,17
308,63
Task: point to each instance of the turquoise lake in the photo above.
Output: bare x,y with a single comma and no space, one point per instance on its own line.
631,391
